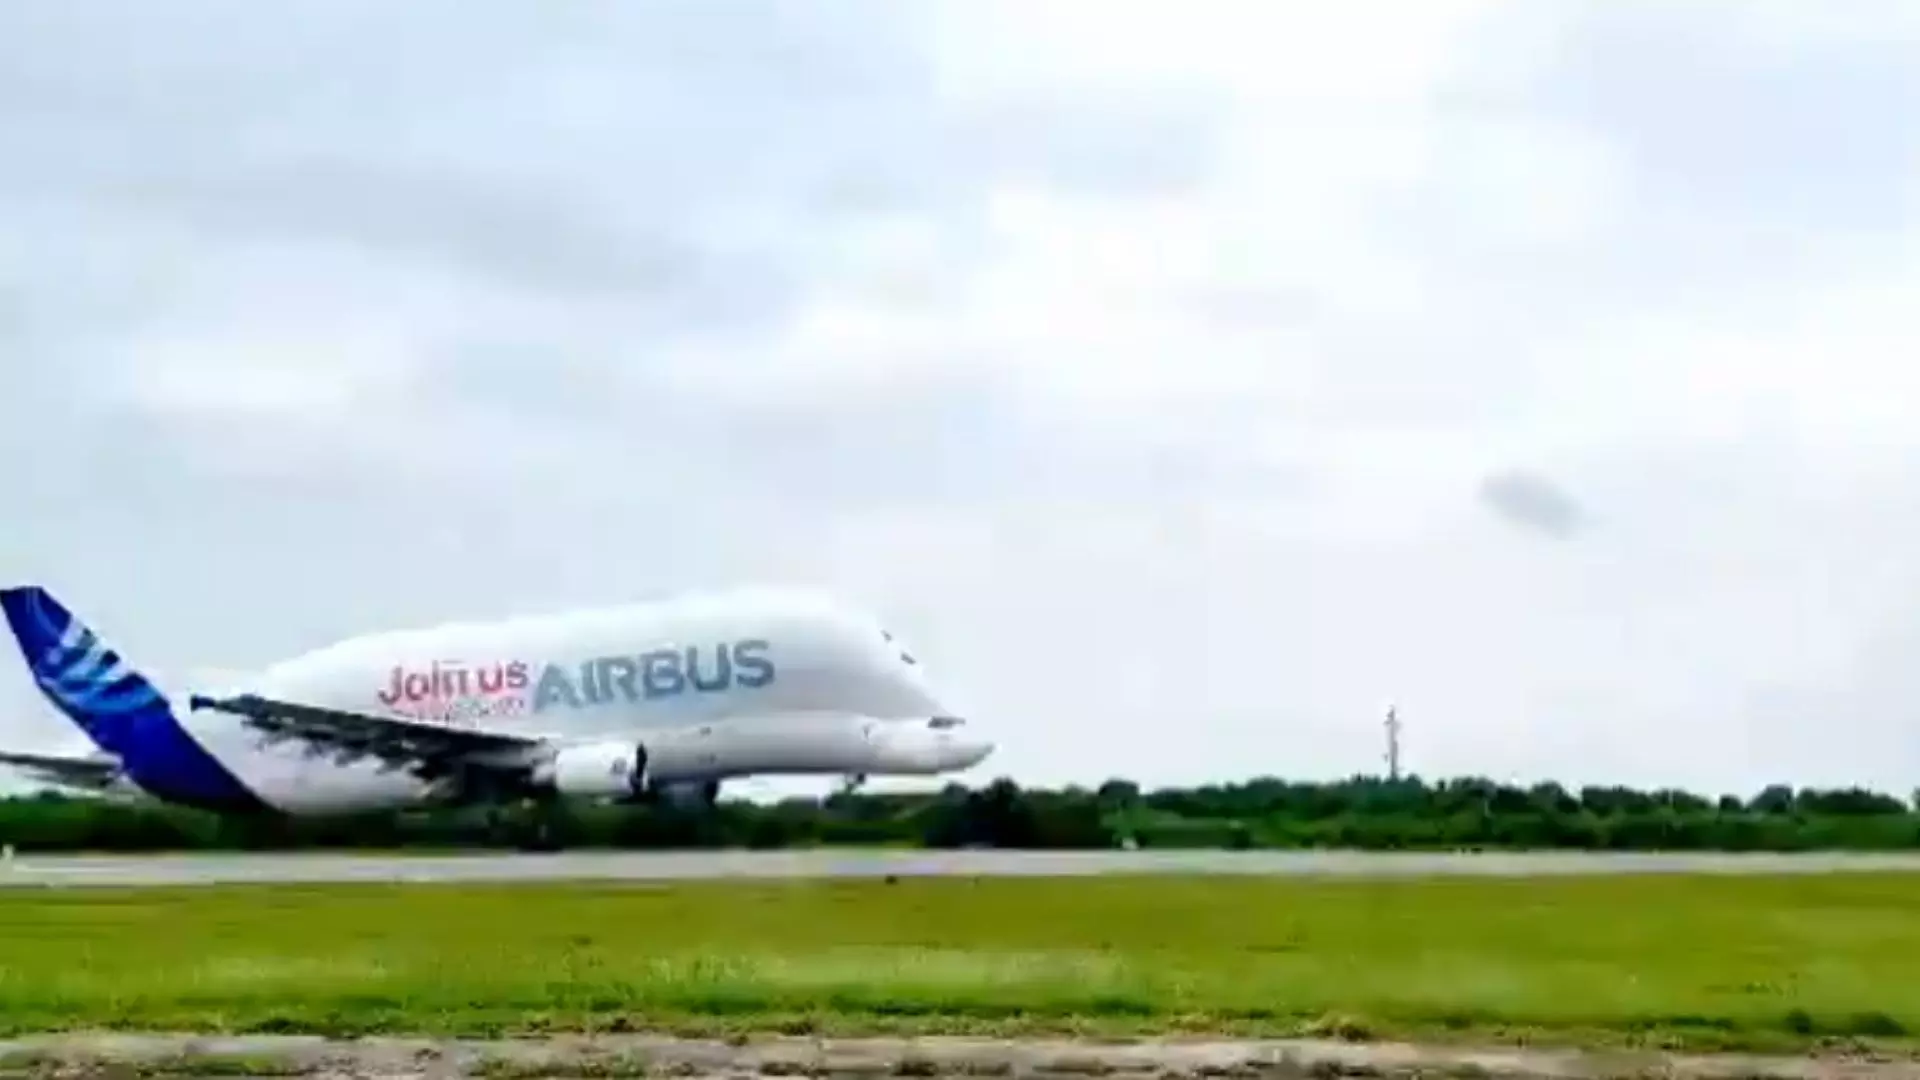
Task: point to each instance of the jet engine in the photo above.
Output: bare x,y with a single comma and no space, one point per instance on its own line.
597,771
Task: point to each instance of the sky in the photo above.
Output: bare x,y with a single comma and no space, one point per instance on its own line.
1188,383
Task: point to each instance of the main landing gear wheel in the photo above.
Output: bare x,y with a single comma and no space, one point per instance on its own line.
542,832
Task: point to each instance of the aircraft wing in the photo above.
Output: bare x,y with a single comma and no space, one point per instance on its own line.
428,750
93,773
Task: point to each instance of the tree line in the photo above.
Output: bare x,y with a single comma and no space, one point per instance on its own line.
1359,813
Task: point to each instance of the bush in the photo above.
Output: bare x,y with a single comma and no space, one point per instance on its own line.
1363,812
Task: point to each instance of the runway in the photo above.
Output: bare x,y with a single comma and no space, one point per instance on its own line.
137,870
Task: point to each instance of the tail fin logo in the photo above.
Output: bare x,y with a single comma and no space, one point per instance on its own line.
73,667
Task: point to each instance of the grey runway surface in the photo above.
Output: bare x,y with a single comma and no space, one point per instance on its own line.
61,871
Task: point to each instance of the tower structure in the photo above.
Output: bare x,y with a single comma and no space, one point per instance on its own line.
1393,743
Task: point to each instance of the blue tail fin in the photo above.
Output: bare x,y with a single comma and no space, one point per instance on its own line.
77,672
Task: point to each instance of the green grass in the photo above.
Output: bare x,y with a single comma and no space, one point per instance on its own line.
1703,962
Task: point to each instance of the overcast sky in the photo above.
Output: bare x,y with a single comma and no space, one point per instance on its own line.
1187,382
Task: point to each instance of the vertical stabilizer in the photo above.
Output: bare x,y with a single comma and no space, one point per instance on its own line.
117,707
77,672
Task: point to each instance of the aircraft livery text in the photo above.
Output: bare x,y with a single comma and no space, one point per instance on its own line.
451,690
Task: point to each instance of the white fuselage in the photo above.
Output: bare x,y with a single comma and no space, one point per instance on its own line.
717,686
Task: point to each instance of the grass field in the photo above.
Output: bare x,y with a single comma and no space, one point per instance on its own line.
1704,962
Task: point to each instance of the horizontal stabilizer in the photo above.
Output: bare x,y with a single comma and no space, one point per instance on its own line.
92,772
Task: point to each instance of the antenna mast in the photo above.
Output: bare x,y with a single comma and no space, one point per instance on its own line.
1393,743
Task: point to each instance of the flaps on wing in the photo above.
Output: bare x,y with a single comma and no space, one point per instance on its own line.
426,749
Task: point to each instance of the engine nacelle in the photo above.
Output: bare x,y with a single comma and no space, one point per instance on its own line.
598,771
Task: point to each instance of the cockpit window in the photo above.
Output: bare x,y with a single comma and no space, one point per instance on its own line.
904,654
942,722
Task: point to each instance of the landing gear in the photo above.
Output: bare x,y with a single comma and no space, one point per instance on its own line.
542,828
641,787
853,783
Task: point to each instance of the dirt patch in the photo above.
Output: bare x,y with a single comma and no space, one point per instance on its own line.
614,1057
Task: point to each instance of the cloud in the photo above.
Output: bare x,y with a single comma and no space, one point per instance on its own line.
1154,373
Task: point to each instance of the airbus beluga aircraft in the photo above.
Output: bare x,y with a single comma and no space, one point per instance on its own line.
661,699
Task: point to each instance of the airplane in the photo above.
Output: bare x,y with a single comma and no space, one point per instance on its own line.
653,701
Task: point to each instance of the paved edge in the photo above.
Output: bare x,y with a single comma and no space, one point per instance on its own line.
612,1056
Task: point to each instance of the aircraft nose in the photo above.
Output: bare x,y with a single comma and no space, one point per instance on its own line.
966,753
